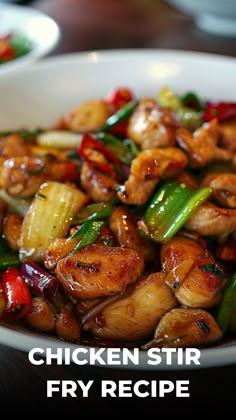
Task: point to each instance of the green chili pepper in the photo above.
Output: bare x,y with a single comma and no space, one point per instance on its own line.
191,100
227,306
9,260
133,147
170,208
121,115
125,150
8,257
93,211
189,117
90,232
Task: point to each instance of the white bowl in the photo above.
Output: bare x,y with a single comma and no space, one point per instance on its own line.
41,30
56,84
214,16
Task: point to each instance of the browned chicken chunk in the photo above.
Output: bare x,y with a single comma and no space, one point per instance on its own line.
185,327
99,270
124,227
134,317
201,146
147,169
223,187
210,220
87,116
190,273
99,186
227,132
152,126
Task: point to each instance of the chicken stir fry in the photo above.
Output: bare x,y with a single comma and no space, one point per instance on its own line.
118,222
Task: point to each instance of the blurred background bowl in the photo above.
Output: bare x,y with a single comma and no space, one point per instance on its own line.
42,32
213,16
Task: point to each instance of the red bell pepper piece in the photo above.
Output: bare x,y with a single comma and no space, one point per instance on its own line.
91,143
16,293
223,111
119,96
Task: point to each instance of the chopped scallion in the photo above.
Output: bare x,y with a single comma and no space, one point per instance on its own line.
170,208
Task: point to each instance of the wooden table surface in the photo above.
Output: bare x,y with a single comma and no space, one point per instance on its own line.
112,24
109,24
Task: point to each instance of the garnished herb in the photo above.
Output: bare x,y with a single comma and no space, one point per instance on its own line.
202,324
214,269
175,284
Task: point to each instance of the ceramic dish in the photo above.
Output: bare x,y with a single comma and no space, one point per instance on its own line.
54,85
40,30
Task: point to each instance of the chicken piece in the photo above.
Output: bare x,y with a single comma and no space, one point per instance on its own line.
223,187
185,327
159,163
136,192
124,227
187,179
11,229
152,126
134,317
99,270
191,273
210,220
41,316
201,146
67,326
13,146
147,169
98,185
22,176
86,117
57,250
227,131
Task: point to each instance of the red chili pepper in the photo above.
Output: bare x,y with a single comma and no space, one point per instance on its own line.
16,293
91,143
223,111
120,129
6,51
43,283
119,96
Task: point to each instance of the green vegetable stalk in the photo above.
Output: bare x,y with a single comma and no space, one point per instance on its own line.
170,208
93,211
121,115
227,306
90,231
